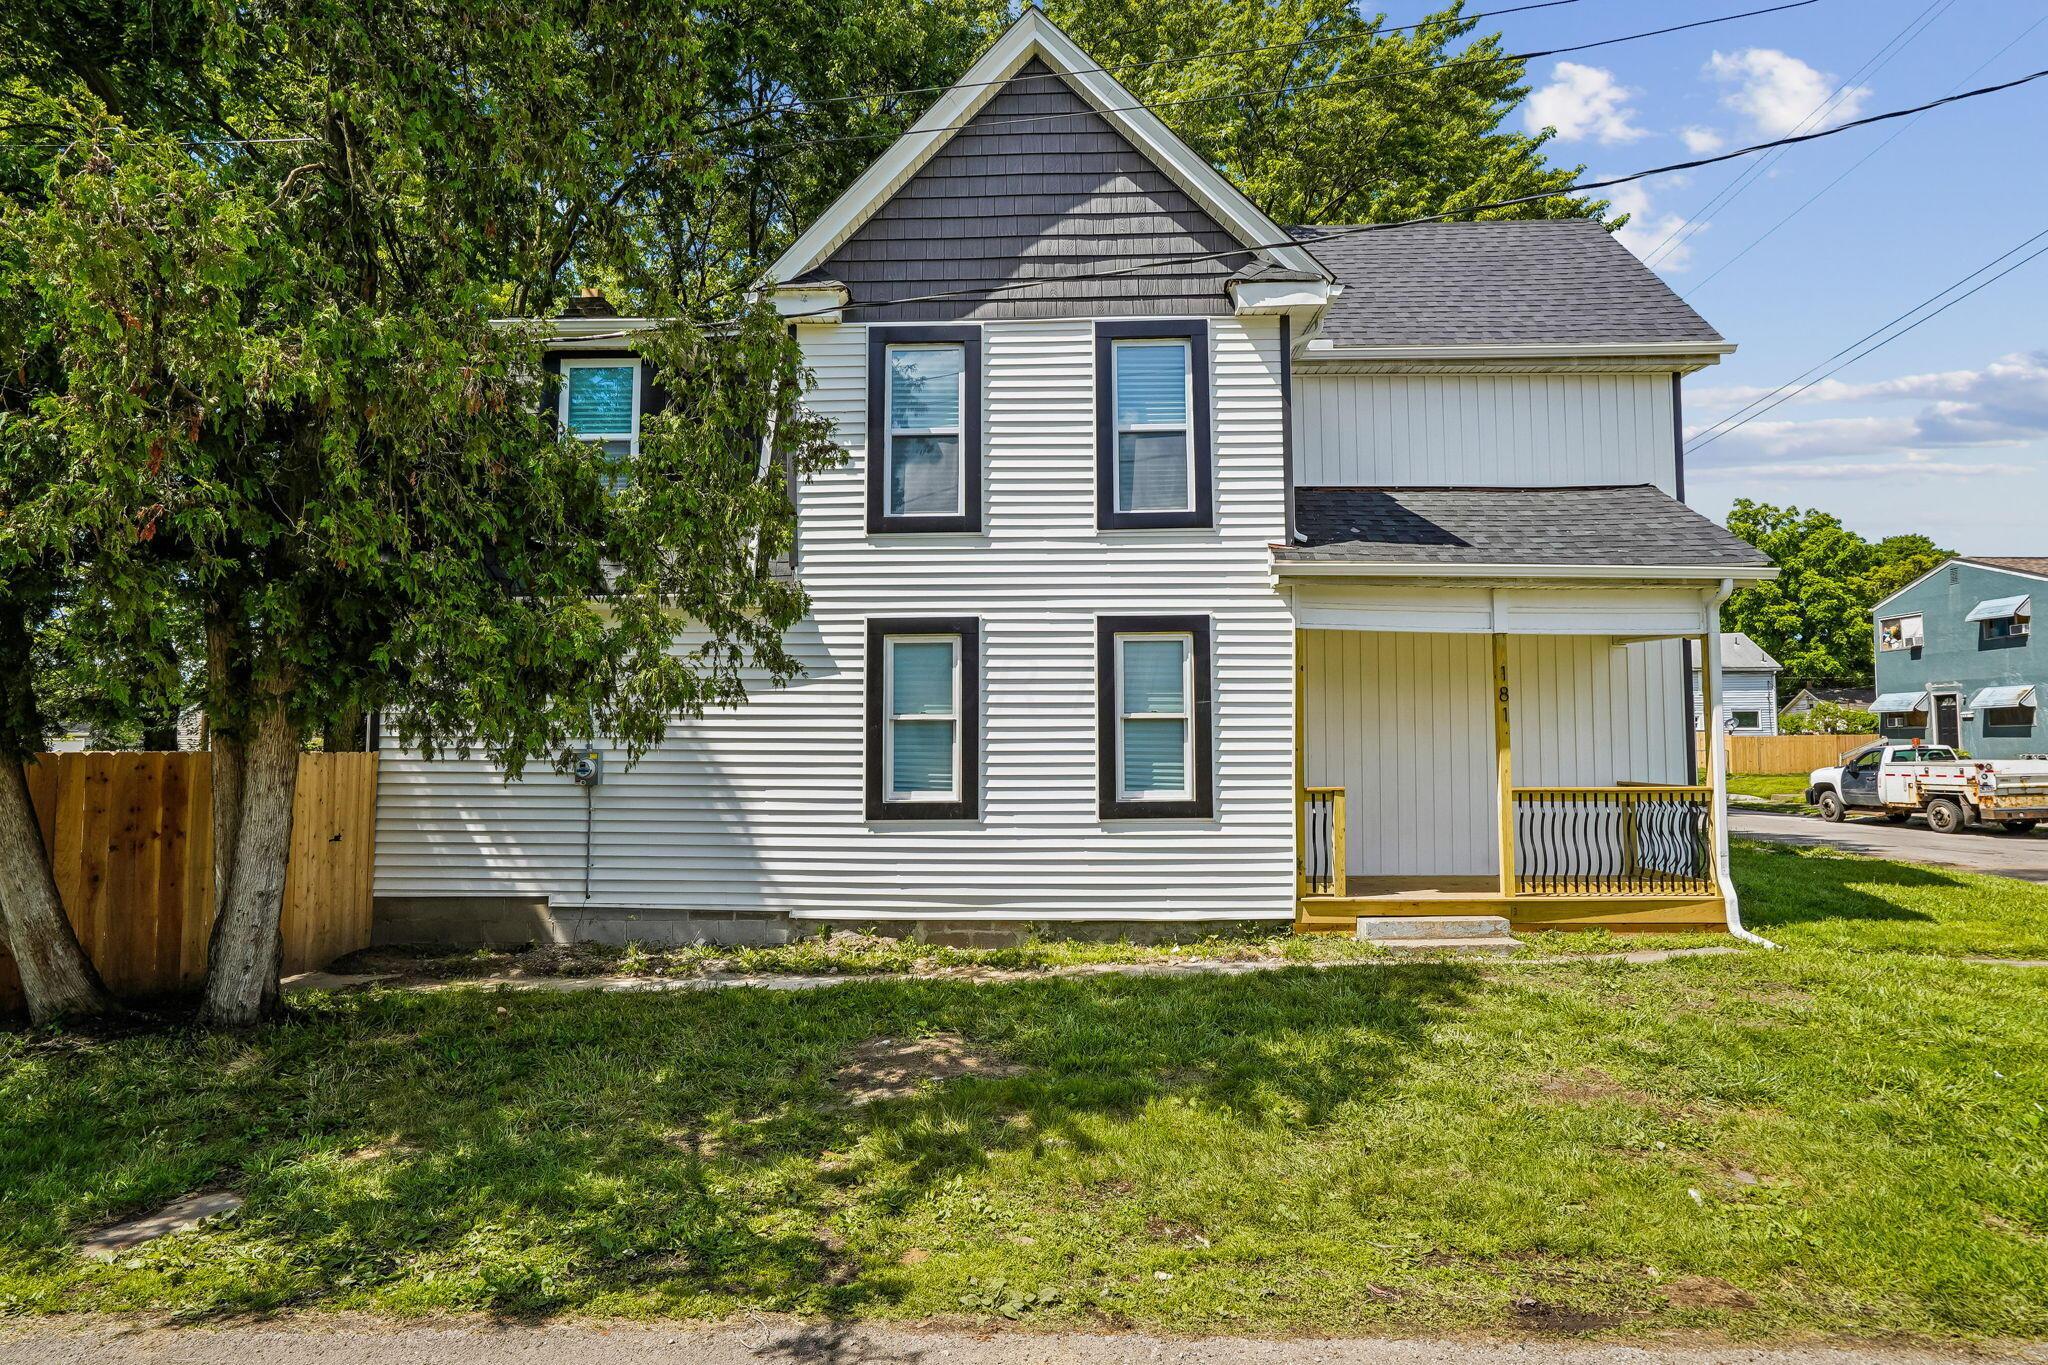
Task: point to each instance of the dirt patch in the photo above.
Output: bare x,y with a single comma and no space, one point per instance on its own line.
1186,1233
1590,1086
1539,1315
1706,1291
891,1068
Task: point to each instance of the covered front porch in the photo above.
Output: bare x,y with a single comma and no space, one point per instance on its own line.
1520,749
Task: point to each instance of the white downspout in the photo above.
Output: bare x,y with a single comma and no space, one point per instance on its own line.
1715,734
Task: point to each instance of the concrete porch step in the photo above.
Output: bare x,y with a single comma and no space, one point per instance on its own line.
1471,934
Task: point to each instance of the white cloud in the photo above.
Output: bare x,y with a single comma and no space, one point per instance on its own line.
1583,101
1647,227
1778,93
2003,405
1701,141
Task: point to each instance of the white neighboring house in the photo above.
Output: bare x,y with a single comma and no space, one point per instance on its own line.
1750,686
1187,568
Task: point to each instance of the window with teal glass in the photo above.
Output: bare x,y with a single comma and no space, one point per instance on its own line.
600,402
926,396
1154,721
1154,449
920,732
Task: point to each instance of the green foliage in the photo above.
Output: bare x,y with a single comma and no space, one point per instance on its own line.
1829,718
1337,122
1814,619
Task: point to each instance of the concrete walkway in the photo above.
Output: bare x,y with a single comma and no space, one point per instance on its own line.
782,981
1971,850
360,1342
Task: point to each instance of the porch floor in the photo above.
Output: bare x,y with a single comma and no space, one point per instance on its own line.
1367,897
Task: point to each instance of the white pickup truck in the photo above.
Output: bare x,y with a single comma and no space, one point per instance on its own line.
1902,780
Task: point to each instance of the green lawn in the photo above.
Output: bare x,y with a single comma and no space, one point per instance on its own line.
1846,1137
1783,788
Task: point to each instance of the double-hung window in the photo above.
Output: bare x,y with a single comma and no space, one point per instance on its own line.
924,429
923,704
1152,425
600,402
1900,632
1154,700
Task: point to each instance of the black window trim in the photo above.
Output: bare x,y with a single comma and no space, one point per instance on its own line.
968,630
968,519
1202,717
1201,423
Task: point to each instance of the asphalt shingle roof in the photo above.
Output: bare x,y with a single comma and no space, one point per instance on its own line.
1627,526
1451,284
2019,563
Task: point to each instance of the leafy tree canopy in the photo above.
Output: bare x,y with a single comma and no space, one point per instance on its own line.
1814,619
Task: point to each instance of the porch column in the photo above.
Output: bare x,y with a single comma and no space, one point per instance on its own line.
1714,733
1504,765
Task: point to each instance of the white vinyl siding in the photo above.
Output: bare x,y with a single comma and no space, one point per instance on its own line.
1753,690
1483,430
1404,722
763,807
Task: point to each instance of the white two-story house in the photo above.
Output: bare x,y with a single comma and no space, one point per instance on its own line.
1187,568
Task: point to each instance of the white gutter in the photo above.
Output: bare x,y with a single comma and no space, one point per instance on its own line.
1322,349
1357,568
1716,736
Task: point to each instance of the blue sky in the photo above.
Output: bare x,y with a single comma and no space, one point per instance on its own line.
1944,431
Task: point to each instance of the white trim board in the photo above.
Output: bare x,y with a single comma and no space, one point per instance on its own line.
1034,35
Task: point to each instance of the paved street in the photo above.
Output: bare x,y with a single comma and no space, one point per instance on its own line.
1972,850
355,1342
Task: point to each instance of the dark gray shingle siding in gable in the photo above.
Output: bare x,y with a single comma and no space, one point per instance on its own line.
1633,526
1453,284
1005,201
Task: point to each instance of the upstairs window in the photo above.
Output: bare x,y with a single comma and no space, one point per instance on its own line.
1154,717
923,700
2003,620
600,401
1900,632
1152,425
924,429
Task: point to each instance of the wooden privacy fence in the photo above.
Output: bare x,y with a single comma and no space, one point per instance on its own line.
1785,753
130,837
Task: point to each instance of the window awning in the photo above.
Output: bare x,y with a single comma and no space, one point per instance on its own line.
1998,608
1900,703
2019,695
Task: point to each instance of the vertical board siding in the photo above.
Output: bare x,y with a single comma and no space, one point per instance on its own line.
761,807
1483,430
1742,690
1404,723
130,840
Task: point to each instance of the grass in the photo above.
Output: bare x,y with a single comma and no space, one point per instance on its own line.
1787,789
1847,1137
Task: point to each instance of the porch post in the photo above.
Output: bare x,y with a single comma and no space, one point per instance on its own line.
1300,775
1504,765
1714,733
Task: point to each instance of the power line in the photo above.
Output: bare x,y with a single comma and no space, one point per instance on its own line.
1793,387
1327,234
1693,223
1771,231
1374,78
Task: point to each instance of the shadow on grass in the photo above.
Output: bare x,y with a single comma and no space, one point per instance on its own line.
1783,885
526,1155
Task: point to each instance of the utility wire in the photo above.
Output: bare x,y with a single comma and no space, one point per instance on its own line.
1374,78
1771,231
1693,223
1314,235
1793,387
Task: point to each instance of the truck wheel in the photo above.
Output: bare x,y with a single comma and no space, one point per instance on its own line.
1831,808
2020,826
1944,816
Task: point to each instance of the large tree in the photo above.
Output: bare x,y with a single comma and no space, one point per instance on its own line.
1814,618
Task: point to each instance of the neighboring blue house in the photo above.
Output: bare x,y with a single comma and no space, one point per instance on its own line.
1956,658
1750,679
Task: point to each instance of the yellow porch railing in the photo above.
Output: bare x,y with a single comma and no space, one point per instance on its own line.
1322,842
1636,840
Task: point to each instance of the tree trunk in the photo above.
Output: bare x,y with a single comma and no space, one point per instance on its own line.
344,733
56,976
246,952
